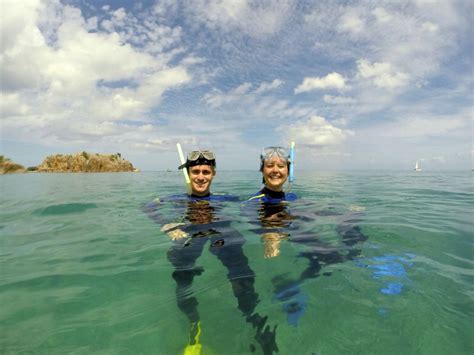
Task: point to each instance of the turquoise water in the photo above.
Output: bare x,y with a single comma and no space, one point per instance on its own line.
85,270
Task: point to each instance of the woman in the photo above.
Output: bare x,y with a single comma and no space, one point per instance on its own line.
274,165
273,215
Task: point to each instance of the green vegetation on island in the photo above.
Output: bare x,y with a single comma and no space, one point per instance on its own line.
73,163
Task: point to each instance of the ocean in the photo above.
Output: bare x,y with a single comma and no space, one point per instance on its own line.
373,262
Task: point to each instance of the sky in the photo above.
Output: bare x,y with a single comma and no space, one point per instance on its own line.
357,85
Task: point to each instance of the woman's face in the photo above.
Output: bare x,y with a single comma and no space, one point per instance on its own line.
275,173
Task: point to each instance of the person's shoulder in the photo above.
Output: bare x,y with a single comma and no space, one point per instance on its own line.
258,196
170,198
222,197
290,196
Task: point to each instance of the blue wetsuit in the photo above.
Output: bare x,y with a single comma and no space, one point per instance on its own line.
270,196
273,217
202,222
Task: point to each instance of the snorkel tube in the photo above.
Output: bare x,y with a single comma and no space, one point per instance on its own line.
187,181
291,175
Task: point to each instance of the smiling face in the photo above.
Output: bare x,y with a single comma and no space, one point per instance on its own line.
201,177
275,173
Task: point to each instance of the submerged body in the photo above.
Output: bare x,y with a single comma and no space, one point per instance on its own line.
276,224
201,221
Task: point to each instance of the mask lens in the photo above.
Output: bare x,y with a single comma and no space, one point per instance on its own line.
268,152
206,154
194,155
280,151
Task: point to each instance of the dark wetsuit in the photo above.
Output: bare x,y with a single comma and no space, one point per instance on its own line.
274,216
266,195
203,222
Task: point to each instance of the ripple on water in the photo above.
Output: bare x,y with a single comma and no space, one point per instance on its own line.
65,208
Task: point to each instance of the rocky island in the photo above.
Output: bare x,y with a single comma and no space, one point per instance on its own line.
9,167
73,163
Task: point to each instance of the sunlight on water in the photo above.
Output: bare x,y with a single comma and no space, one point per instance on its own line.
366,263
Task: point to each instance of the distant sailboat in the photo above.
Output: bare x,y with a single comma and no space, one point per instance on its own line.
417,166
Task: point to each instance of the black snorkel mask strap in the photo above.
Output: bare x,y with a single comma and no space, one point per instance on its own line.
199,161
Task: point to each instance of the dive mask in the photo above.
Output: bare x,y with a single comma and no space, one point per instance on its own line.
199,157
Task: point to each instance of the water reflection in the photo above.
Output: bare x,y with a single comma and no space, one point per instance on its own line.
276,223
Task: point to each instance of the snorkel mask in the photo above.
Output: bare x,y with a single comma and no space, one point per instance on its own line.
197,157
269,152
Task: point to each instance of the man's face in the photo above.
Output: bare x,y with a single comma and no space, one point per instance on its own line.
201,177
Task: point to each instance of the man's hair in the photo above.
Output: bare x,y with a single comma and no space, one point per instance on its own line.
201,161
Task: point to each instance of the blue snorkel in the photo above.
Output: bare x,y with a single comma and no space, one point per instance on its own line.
291,175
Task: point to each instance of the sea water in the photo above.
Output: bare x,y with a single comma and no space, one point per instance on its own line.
85,270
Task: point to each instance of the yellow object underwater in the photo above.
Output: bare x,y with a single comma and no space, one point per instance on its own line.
194,349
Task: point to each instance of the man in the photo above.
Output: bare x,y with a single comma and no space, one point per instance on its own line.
201,167
200,221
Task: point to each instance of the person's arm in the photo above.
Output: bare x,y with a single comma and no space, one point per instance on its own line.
154,210
273,220
350,231
173,230
271,243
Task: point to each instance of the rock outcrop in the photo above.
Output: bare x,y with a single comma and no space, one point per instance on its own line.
85,162
9,167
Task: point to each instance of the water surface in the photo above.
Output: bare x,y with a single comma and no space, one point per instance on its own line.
85,270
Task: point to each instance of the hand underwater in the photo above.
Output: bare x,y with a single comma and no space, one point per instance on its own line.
271,242
173,232
176,234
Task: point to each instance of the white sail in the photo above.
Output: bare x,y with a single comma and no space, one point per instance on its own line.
417,166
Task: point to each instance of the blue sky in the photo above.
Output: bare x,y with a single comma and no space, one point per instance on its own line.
356,84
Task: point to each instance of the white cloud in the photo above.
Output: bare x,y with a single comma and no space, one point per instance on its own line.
403,45
316,131
338,100
253,19
165,7
218,98
423,125
107,25
331,81
381,15
64,83
264,87
351,22
242,89
140,81
11,105
430,27
383,75
241,93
